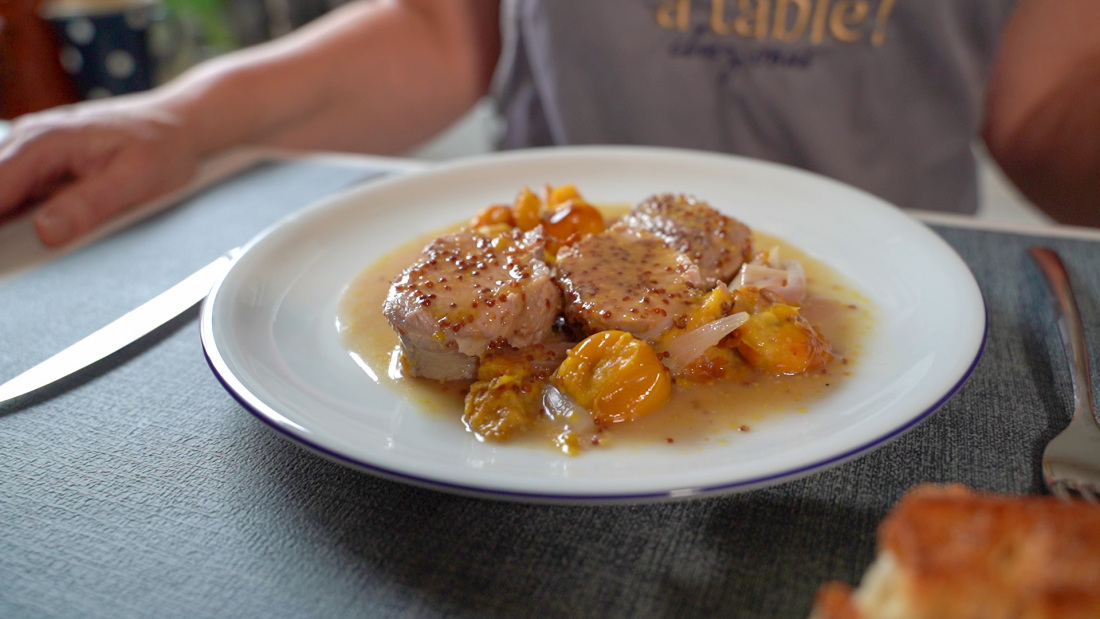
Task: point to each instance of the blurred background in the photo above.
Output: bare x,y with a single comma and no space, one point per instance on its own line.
54,52
59,51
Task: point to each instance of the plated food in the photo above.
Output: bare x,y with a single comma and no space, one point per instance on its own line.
270,333
948,552
557,318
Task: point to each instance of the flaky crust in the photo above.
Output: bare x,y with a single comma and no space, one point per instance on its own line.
834,600
951,552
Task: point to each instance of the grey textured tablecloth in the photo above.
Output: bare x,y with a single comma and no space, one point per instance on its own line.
142,489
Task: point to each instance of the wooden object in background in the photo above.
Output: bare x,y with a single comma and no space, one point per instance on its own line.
31,77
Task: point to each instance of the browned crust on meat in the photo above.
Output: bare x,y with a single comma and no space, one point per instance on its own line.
716,242
626,281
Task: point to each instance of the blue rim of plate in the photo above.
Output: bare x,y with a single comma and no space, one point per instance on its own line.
271,418
268,416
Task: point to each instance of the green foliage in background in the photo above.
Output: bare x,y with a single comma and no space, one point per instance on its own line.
211,16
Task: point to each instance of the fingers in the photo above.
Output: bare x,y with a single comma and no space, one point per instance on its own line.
62,219
30,167
87,202
84,165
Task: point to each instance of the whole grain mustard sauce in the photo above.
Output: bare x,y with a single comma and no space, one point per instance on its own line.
694,415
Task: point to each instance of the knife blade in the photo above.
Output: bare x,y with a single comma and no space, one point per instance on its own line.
126,330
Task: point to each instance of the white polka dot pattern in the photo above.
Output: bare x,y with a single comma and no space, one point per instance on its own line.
71,59
110,50
119,64
81,31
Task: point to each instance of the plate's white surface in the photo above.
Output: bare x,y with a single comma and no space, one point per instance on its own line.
269,332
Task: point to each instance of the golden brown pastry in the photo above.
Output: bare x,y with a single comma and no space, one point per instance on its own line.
946,552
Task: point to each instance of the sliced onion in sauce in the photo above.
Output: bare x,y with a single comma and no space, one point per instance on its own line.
572,425
687,347
786,283
761,276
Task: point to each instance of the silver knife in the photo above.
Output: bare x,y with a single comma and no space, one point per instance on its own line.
122,332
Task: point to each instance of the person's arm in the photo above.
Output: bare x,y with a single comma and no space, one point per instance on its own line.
376,76
1043,108
373,76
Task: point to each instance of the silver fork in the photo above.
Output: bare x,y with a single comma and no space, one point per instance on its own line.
1071,461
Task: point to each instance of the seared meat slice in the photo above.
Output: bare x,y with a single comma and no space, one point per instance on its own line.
717,243
467,291
628,281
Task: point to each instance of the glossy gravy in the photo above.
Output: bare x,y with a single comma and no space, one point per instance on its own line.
693,415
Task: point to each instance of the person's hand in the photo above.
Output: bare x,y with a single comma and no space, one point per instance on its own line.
317,88
80,165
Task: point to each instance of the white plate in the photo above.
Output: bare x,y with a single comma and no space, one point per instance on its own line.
269,331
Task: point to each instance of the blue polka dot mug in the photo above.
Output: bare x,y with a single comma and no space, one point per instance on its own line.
109,47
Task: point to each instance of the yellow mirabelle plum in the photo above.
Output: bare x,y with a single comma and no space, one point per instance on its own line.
570,222
614,375
494,215
506,398
556,196
527,210
780,341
